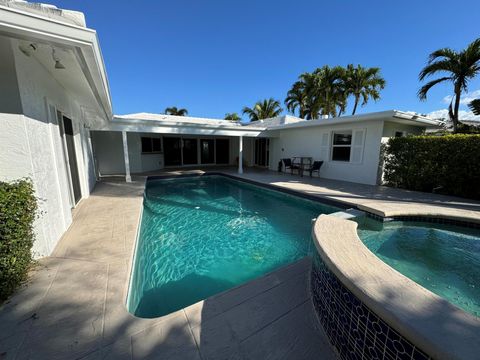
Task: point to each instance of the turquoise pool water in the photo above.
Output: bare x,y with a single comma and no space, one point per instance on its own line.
203,235
442,258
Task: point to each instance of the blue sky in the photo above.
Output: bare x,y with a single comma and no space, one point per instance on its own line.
214,57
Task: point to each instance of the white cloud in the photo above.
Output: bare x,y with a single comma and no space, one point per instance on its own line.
462,114
465,99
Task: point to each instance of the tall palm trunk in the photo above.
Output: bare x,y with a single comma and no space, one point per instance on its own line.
458,92
357,98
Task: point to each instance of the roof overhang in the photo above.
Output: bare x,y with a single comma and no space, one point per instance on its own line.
390,115
83,42
170,126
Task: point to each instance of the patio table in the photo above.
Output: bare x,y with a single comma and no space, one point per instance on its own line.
302,162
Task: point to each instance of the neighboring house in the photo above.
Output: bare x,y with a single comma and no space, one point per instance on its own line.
57,126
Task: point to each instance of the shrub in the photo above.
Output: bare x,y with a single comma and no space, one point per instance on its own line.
447,164
18,207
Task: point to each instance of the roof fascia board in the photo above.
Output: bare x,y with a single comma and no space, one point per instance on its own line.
335,121
182,129
389,115
162,123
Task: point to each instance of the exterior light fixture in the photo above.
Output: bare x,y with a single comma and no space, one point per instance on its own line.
27,49
58,63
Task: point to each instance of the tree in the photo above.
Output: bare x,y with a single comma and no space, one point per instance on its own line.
232,117
297,98
308,85
318,93
330,89
363,83
265,109
475,106
175,111
458,67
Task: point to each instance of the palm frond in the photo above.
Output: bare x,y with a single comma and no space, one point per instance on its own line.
435,67
447,53
474,105
422,92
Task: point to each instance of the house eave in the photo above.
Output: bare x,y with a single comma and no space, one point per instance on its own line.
389,115
28,26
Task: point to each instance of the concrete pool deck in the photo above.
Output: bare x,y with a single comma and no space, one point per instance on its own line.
73,307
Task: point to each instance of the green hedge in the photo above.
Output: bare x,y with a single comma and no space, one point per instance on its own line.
447,164
18,207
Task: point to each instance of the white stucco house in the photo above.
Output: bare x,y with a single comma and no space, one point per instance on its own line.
57,125
349,146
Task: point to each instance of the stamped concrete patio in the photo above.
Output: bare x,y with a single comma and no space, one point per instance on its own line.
73,307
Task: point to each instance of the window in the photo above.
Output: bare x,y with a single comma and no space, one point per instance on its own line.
151,145
399,134
342,146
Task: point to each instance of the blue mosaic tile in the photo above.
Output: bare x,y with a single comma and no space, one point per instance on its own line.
352,328
428,219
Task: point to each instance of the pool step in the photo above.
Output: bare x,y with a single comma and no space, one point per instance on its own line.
349,214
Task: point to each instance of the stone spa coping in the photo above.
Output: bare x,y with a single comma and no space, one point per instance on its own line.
425,319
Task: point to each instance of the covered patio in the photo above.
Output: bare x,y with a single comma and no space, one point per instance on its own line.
153,142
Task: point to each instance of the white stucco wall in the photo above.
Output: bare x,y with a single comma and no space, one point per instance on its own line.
108,149
390,128
307,142
31,146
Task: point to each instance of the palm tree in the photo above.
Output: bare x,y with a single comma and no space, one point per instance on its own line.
363,83
308,85
475,106
458,67
297,98
328,90
265,109
232,117
318,93
175,111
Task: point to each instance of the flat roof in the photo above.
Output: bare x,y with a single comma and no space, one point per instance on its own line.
174,119
283,122
389,115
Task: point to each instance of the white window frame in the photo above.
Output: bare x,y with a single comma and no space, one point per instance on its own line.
356,144
333,146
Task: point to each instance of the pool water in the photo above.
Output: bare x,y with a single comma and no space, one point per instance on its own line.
203,235
445,259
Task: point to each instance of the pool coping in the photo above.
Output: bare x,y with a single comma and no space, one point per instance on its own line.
430,322
385,209
342,205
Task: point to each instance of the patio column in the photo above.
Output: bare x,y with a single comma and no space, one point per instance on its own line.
240,155
128,178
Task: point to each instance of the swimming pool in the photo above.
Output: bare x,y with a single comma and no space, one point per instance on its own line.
203,235
445,259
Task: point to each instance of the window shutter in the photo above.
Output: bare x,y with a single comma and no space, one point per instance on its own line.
358,143
324,147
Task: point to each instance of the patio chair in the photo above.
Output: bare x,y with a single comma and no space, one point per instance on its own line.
315,167
287,163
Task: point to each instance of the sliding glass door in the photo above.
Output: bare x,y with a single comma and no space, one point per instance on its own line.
172,151
222,151
207,147
190,152
262,152
180,151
